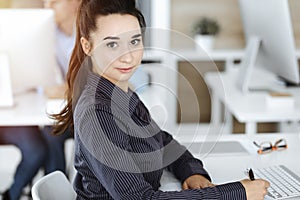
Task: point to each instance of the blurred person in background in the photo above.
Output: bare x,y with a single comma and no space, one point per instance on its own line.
65,16
33,148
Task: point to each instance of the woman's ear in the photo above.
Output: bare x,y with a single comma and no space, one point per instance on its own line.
85,44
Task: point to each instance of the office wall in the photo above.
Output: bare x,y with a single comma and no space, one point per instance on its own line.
21,3
295,14
226,12
27,3
228,15
5,3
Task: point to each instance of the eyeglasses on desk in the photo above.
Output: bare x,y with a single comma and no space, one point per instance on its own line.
267,147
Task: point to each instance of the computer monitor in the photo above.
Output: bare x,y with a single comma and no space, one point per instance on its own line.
270,41
27,45
6,96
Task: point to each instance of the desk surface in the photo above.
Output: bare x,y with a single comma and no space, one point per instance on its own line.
233,167
227,167
250,107
30,109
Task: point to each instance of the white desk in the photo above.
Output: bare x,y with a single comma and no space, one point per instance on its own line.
247,108
230,168
30,109
227,167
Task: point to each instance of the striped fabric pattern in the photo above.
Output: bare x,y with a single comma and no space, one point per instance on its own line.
120,152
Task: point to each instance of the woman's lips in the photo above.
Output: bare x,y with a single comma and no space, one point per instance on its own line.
125,70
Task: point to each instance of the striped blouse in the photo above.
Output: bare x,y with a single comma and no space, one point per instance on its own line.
120,152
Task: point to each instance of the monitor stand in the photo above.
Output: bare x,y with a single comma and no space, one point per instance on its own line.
6,94
264,80
247,64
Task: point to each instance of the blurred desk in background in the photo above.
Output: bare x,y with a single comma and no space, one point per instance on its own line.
250,108
30,109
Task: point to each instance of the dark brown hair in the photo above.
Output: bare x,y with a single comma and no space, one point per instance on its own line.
88,12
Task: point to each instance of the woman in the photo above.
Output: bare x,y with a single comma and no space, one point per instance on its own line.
120,152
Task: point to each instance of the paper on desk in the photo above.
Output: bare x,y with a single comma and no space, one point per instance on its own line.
280,101
217,148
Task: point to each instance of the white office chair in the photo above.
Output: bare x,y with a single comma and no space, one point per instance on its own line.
54,186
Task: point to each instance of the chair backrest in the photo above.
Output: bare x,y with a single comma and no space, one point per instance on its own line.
54,186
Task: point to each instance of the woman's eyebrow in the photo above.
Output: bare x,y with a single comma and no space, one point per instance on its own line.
111,38
137,35
117,38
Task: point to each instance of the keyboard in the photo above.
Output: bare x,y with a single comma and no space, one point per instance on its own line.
284,183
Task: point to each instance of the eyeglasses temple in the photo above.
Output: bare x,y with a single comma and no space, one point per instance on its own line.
256,144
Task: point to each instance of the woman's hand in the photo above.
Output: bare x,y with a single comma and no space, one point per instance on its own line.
256,190
196,182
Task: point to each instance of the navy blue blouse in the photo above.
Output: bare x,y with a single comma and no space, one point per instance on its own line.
120,152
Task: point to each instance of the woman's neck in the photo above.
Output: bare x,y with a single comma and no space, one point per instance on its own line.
123,85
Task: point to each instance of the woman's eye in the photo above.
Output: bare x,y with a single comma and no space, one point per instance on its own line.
135,42
112,45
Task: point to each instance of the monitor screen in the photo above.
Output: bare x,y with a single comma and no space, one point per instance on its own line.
267,26
27,39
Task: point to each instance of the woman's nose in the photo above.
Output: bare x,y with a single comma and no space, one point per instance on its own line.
126,57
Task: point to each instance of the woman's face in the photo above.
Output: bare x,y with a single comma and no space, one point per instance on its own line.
117,47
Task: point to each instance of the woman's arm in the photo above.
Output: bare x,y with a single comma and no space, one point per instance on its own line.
185,165
110,165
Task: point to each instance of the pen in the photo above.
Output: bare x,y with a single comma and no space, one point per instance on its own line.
251,174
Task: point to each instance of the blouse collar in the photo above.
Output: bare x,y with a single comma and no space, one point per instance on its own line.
126,100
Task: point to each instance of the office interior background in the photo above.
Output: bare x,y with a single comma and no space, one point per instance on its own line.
175,14
226,12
